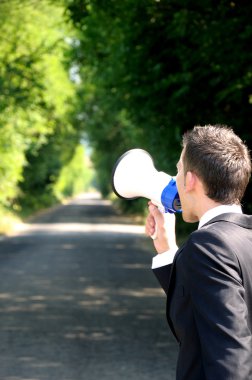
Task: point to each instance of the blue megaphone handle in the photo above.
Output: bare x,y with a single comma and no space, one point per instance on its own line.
170,198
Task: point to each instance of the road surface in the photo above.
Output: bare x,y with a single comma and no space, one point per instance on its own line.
78,300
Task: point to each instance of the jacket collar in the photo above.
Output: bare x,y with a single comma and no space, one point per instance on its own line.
242,220
218,210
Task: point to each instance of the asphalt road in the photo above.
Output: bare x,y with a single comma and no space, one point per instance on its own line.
78,299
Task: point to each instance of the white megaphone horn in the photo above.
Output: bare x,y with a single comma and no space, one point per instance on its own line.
134,176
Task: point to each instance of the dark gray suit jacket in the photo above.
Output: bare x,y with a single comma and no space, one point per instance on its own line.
209,300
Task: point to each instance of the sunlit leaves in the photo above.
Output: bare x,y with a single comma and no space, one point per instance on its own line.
36,95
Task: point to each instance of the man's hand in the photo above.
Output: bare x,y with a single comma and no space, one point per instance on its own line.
161,227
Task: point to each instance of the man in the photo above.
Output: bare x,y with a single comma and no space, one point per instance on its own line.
208,281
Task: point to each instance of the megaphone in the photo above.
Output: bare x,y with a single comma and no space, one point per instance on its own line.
134,175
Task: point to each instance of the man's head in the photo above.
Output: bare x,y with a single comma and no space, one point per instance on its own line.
220,160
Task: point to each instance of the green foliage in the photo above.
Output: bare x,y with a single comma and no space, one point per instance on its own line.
11,163
128,74
76,176
152,69
37,136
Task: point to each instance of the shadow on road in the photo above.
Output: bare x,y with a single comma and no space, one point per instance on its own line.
78,300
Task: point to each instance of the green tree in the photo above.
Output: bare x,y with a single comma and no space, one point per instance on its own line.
152,69
75,177
37,100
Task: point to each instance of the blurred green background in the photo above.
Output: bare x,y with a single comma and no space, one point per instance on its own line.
82,81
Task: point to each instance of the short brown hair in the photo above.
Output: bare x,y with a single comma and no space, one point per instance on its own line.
220,159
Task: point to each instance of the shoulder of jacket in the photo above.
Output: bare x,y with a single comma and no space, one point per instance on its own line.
242,220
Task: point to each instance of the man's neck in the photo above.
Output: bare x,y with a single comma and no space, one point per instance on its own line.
206,205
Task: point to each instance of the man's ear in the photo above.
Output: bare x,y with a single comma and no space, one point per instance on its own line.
190,181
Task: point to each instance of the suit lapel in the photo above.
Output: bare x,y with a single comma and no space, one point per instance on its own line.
170,290
172,275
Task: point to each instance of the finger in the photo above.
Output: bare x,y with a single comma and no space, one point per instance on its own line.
150,225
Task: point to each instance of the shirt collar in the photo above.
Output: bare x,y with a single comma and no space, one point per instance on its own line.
213,212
